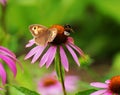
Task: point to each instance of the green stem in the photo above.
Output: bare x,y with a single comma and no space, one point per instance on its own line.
3,22
7,88
62,79
60,71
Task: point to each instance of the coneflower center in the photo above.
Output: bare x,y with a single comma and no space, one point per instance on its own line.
114,84
59,39
49,82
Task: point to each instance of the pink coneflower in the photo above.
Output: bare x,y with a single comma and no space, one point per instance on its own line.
49,85
110,87
9,58
61,41
3,2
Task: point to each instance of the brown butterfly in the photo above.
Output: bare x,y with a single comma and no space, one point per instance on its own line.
42,35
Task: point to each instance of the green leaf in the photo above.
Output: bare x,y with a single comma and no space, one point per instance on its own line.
25,91
86,92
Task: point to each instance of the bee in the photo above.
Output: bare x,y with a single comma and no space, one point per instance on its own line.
56,34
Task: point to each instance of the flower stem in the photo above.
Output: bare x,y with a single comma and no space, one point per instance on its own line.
62,79
7,88
60,71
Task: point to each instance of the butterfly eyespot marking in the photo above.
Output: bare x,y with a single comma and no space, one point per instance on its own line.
35,29
66,33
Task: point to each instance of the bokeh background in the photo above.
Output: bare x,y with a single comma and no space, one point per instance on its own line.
96,25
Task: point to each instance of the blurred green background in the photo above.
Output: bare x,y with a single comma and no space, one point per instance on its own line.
96,24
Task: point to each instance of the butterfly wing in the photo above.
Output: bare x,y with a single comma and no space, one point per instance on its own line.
42,35
37,29
40,41
52,34
39,33
47,36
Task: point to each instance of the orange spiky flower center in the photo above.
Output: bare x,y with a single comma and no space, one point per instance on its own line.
49,81
114,84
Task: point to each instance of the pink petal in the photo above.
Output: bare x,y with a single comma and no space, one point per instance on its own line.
73,54
64,59
70,40
51,57
10,63
10,54
31,42
2,74
38,53
1,88
71,83
3,2
108,93
77,49
6,51
7,54
45,57
99,85
32,52
99,92
107,81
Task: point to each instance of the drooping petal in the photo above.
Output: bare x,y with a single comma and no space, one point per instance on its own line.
70,40
10,63
2,74
6,51
77,49
99,92
73,54
38,53
51,57
45,57
64,59
32,52
99,85
31,42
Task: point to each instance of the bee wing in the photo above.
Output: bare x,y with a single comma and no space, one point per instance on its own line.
37,30
52,34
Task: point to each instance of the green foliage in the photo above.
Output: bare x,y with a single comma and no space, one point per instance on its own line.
25,91
109,8
86,92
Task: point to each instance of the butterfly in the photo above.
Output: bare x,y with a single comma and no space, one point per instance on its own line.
43,35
